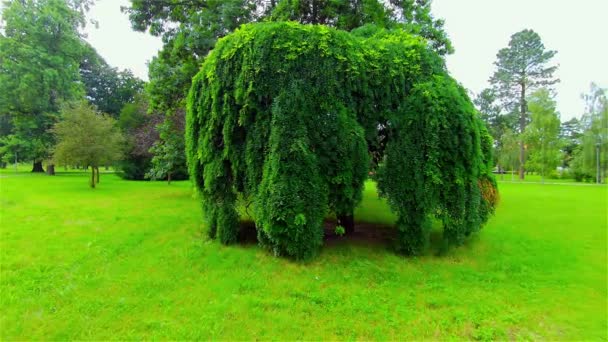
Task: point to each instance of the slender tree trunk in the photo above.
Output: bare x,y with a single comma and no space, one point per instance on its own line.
348,222
96,174
37,167
50,169
168,178
92,183
522,128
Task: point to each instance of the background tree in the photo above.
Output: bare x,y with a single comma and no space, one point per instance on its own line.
11,148
570,134
6,129
40,53
87,137
591,159
169,159
107,88
190,30
542,134
139,128
413,16
508,154
497,122
520,69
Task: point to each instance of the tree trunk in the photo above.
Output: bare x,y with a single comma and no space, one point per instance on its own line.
37,167
522,129
168,178
96,174
348,222
92,183
50,169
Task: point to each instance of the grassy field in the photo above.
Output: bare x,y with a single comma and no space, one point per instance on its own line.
129,260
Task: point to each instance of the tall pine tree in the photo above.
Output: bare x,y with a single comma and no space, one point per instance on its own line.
522,68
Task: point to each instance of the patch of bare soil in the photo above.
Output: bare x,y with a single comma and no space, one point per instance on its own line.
365,233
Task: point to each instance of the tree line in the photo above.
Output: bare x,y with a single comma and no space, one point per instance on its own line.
46,66
61,103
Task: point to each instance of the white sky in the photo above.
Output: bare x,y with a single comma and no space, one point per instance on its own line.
578,30
116,42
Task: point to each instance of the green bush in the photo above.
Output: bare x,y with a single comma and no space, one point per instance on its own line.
288,115
134,167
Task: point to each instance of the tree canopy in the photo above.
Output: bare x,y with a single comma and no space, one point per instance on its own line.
40,53
108,88
590,159
542,134
286,115
190,29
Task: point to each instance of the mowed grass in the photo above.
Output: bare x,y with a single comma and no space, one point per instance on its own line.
129,260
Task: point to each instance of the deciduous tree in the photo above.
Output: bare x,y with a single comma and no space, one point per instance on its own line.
169,157
87,137
542,134
107,88
40,53
591,159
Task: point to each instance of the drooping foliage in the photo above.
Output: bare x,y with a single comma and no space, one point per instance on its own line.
288,116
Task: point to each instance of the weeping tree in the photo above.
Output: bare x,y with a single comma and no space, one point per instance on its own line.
288,117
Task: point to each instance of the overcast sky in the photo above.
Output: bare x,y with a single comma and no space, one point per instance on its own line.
478,29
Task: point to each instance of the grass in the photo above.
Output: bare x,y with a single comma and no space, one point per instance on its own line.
128,260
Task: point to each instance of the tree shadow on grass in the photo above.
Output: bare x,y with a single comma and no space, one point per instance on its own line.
366,234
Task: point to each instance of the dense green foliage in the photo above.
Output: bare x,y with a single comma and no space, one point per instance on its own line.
169,160
590,161
190,30
109,265
40,54
542,134
107,88
44,63
285,115
139,128
500,124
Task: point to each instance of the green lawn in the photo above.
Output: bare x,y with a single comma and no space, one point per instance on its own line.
128,260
